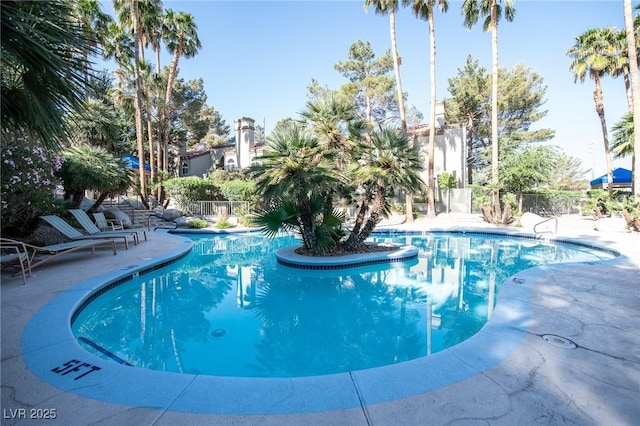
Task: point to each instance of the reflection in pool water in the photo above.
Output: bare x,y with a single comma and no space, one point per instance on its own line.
229,309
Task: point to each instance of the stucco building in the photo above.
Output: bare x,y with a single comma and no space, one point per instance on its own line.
450,150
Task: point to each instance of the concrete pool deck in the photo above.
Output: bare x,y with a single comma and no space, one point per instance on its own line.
595,305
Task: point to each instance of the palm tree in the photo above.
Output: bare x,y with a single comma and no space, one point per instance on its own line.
295,171
129,16
88,167
96,125
424,9
335,121
383,7
623,137
631,29
593,55
152,16
42,68
118,45
180,33
93,21
492,11
390,162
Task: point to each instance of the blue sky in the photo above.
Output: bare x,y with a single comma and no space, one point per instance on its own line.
258,57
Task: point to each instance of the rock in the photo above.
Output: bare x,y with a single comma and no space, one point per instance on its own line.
529,220
121,216
172,214
611,224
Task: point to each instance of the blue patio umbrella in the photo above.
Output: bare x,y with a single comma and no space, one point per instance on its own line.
132,162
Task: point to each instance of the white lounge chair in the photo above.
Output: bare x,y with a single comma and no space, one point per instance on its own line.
73,234
85,221
43,254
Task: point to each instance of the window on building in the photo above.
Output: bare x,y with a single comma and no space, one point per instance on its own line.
185,168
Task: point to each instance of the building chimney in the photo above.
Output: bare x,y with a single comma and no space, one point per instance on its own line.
245,137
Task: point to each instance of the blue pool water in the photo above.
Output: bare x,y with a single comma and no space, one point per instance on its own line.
229,309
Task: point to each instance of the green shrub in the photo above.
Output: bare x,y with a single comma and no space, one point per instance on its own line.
185,190
223,224
245,216
601,202
239,190
447,180
197,224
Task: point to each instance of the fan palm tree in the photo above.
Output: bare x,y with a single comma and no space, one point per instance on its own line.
594,55
335,121
42,68
180,33
118,45
623,137
93,21
97,125
151,21
424,9
390,7
88,167
129,16
492,11
390,162
295,171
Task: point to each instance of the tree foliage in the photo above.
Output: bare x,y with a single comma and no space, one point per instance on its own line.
310,164
43,67
88,167
520,98
370,85
27,183
185,190
623,137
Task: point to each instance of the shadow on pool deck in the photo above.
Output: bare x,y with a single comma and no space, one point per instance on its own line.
595,305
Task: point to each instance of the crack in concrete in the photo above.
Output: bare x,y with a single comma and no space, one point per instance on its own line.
363,406
12,396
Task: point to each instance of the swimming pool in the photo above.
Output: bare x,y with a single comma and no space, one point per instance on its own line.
228,309
53,354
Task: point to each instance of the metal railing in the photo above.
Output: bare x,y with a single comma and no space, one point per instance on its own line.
555,227
217,208
159,216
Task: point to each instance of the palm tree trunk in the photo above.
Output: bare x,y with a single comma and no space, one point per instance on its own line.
351,242
400,94
495,178
599,100
103,195
431,202
306,222
173,70
138,105
635,86
396,68
150,138
374,217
